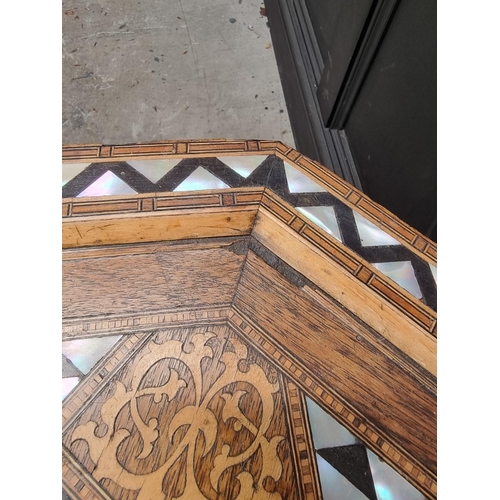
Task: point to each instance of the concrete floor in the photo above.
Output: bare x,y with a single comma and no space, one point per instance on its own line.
145,70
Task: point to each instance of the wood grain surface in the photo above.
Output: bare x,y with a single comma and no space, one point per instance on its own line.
195,413
221,342
151,278
144,228
354,198
337,276
381,393
336,354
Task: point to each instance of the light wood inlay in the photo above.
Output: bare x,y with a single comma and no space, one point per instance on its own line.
193,414
233,306
337,357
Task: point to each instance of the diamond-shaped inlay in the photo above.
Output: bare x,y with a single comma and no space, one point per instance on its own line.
201,179
137,396
334,485
69,369
349,470
153,170
390,485
243,165
85,353
71,170
107,184
68,384
326,431
352,462
300,183
402,273
323,217
370,234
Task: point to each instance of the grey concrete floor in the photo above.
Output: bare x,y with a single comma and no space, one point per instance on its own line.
146,70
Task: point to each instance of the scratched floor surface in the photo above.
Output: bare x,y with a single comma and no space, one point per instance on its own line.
146,70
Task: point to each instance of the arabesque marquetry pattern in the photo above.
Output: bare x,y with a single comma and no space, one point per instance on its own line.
240,275
194,413
117,289
354,198
337,406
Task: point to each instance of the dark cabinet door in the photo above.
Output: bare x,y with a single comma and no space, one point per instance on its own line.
366,86
378,84
391,124
339,27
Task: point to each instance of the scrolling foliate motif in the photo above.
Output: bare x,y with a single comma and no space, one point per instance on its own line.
187,419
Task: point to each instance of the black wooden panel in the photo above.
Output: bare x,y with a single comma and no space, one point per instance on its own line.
392,124
322,14
338,26
293,74
336,103
335,22
297,63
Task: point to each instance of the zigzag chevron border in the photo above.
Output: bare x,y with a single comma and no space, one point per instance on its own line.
409,237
